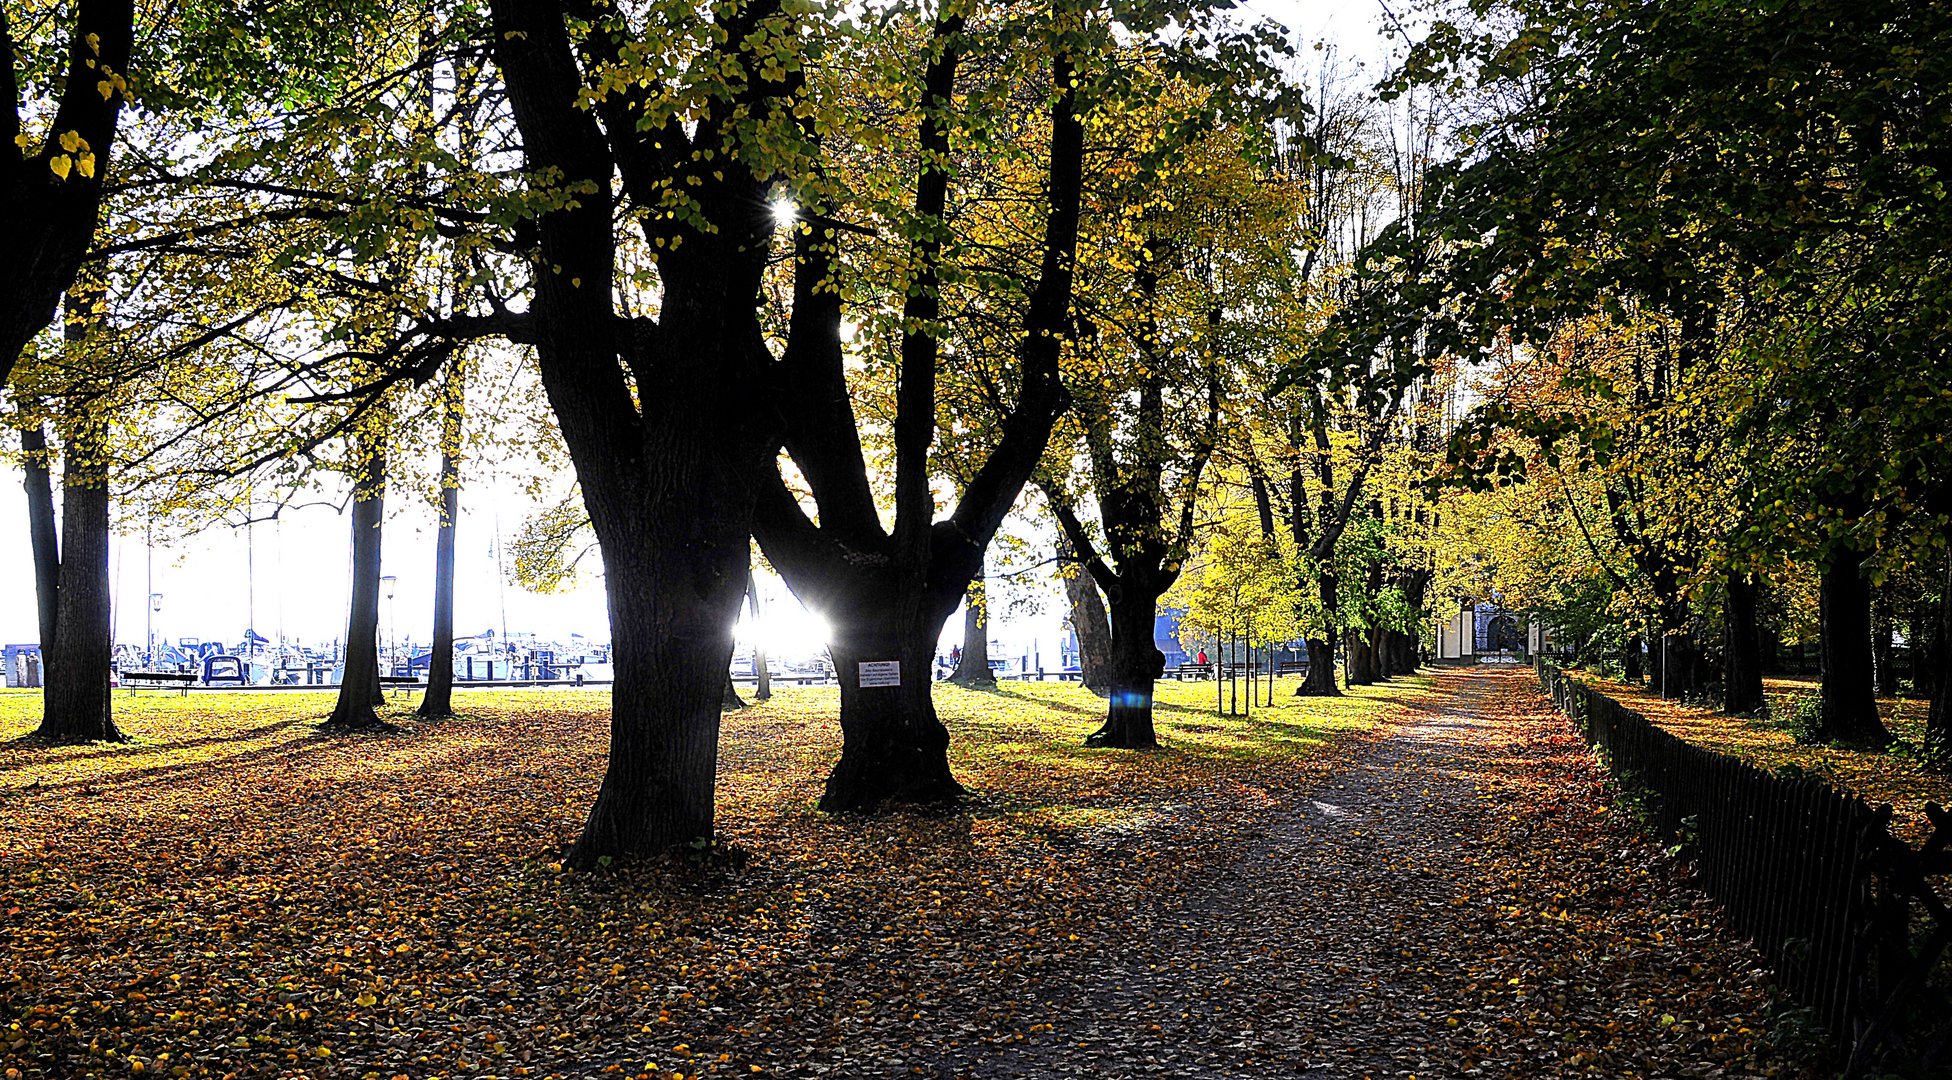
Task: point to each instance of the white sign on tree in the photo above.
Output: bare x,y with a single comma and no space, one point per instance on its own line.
880,673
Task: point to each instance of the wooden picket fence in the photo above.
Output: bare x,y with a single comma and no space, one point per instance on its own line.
1846,915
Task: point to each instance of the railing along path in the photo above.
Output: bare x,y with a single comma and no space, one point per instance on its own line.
1846,914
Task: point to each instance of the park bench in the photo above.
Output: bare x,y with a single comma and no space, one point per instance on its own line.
158,680
1191,669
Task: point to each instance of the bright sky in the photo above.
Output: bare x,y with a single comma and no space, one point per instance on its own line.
290,579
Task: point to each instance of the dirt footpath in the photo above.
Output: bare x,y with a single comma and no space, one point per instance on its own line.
1458,900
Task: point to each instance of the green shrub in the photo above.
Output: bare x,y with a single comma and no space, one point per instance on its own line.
1804,718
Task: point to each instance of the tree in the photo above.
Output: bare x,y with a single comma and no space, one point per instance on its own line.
77,705
1187,268
1088,620
1750,178
653,409
973,665
438,701
1241,585
1338,394
359,686
890,605
1145,503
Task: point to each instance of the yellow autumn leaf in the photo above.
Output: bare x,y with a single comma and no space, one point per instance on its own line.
86,163
60,163
71,141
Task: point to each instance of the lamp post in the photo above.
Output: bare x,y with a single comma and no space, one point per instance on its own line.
149,627
389,583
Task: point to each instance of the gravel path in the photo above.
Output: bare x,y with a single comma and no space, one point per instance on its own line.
1456,901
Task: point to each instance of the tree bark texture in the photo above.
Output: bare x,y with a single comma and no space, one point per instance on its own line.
1407,645
1741,647
1320,680
76,699
359,688
1848,690
893,748
1361,670
1092,625
973,666
1136,665
1383,642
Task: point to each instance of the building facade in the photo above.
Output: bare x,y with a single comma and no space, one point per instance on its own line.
1475,631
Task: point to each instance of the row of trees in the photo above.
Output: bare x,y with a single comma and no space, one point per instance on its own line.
1703,246
845,284
850,283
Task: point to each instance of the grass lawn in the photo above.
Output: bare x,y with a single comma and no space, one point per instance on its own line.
233,894
1895,776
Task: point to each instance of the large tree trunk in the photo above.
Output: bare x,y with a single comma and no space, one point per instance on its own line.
1137,664
1881,648
1092,625
76,700
1408,644
438,702
1361,669
41,534
671,663
1741,648
973,666
731,702
893,748
1321,648
1320,680
360,687
1849,696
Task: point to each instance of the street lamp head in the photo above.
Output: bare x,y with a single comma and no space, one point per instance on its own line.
388,582
155,601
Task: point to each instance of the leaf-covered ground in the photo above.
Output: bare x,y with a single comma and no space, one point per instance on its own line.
1414,880
1897,776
